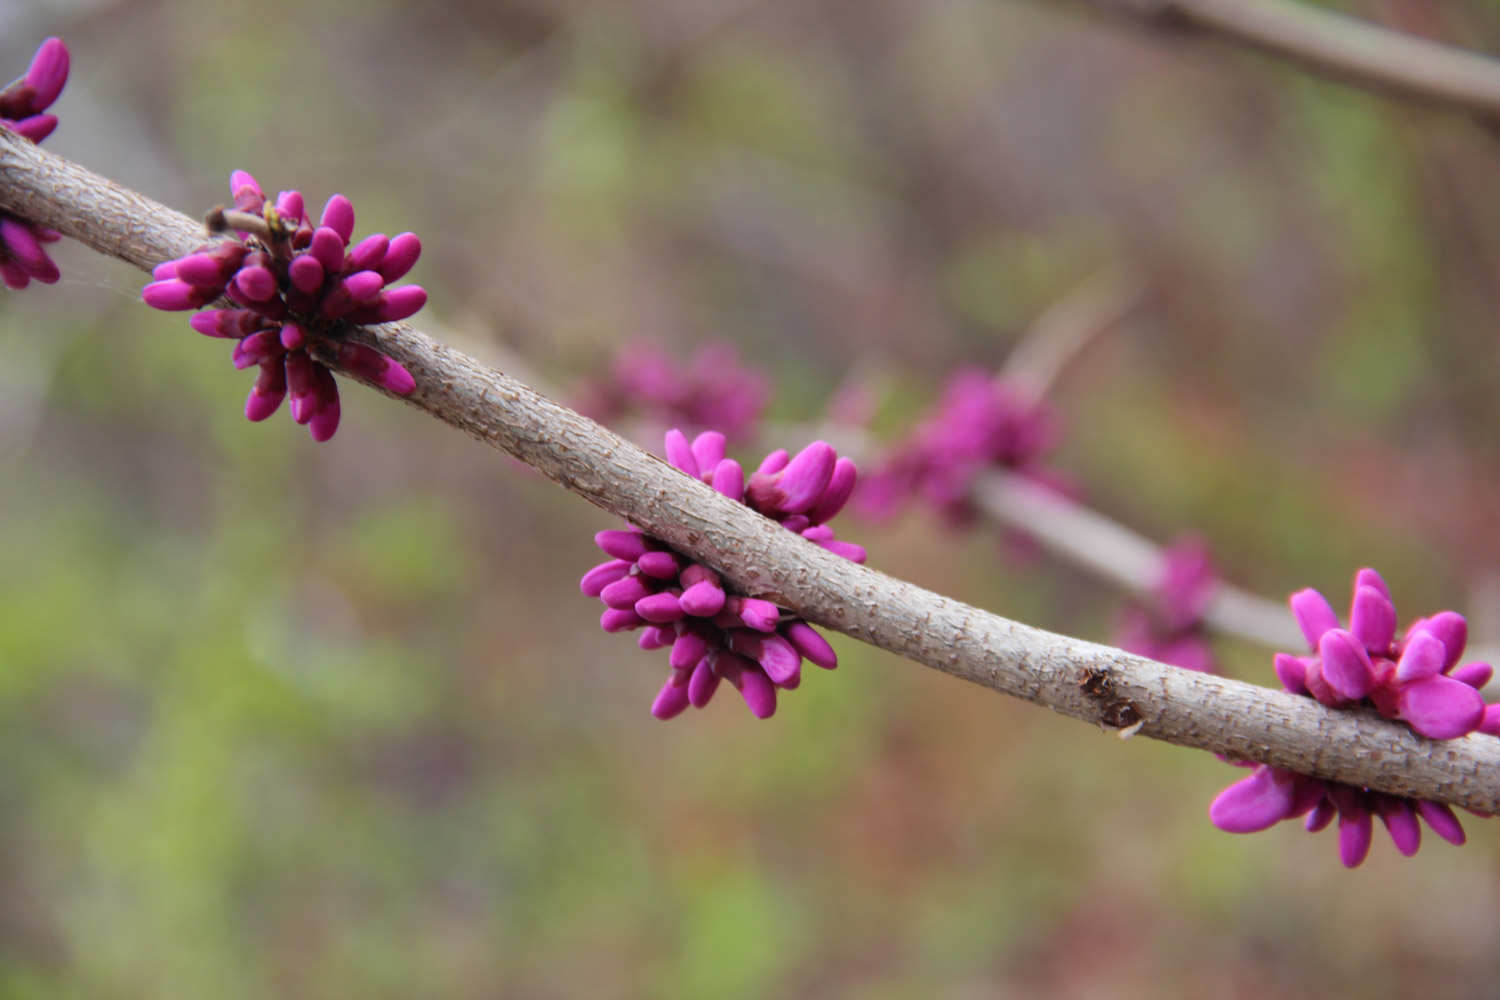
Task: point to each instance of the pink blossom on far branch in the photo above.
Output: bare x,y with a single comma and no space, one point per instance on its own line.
979,423
22,107
1415,678
714,634
712,388
1169,626
295,286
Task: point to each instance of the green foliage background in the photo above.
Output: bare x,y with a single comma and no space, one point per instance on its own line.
280,719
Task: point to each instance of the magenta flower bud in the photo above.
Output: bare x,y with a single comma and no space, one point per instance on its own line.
729,479
623,593
601,576
1422,657
399,257
703,683
327,249
689,648
257,348
680,453
1324,813
306,273
368,363
290,206
226,322
164,271
1314,615
840,487
1292,672
760,615
849,550
1441,708
708,451
1254,803
630,545
660,564
367,254
1356,829
620,620
1369,578
293,337
1490,724
757,690
773,463
779,659
1400,822
338,215
174,295
659,608
257,284
326,420
247,195
655,637
47,73
1451,629
811,645
392,305
301,383
363,286
1372,619
1442,821
670,701
267,392
1346,665
1476,675
17,238
35,127
703,599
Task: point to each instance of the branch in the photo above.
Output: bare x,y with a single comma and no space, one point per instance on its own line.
1338,46
1097,684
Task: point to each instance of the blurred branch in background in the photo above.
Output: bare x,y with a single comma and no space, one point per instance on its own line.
1338,46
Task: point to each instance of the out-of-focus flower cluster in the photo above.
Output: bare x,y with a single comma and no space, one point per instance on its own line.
1416,679
978,423
713,634
711,389
22,104
295,286
1169,628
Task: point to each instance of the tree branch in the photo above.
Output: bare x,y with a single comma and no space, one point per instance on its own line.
1338,46
1080,679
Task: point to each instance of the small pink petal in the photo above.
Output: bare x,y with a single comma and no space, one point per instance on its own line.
1442,821
703,599
689,648
1441,708
729,479
1254,803
680,453
659,608
1422,657
670,701
624,592
1292,672
629,545
1400,822
399,257
708,450
602,575
1476,675
660,564
338,215
703,683
1314,615
1346,666
811,644
1372,619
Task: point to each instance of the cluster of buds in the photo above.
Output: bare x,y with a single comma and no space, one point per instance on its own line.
22,104
1169,627
978,423
713,388
296,288
713,634
1416,679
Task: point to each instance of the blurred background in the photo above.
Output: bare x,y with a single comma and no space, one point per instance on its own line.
288,719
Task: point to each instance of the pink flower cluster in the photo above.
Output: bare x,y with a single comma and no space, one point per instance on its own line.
713,388
295,286
1416,679
977,424
21,111
715,635
1170,628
